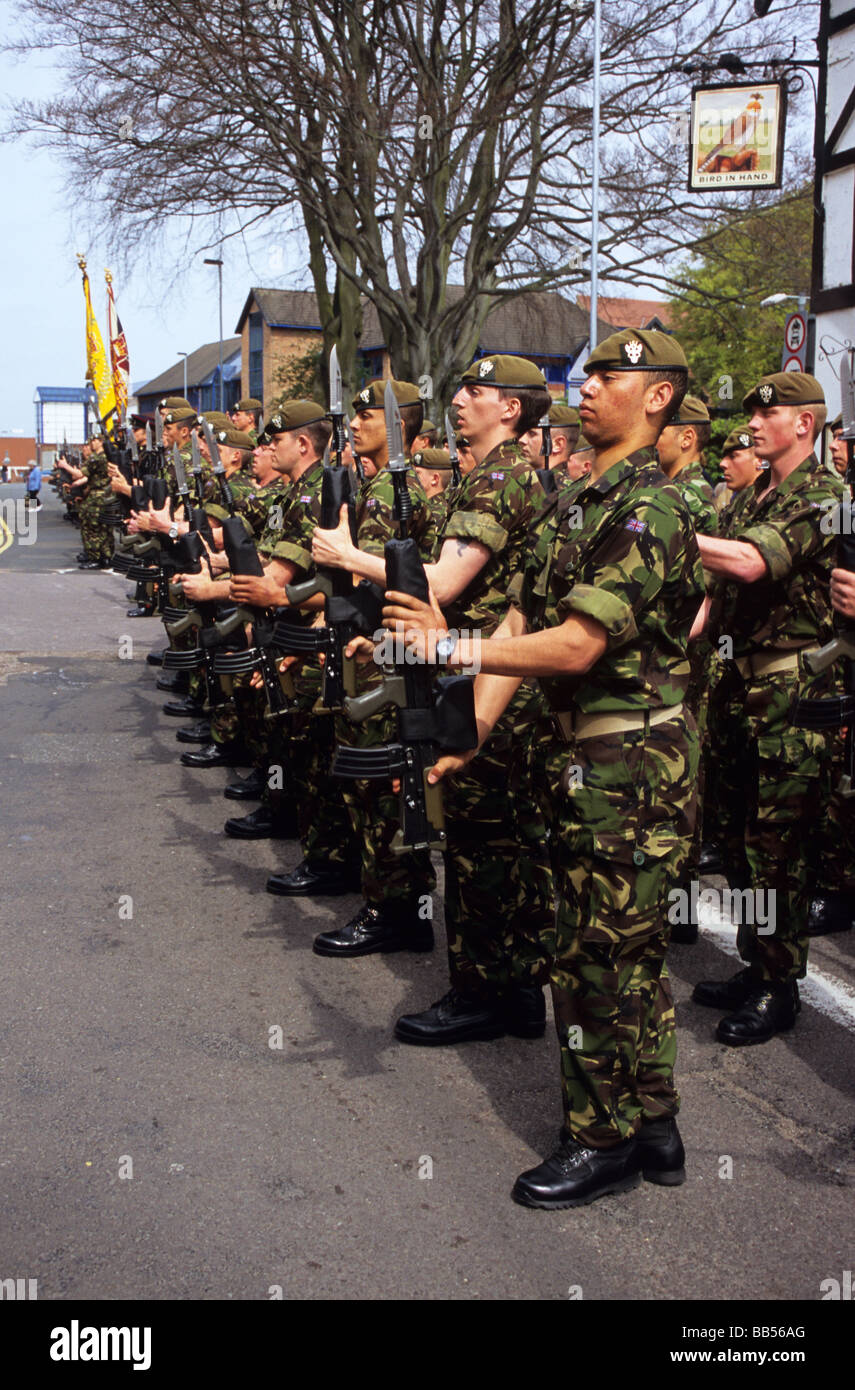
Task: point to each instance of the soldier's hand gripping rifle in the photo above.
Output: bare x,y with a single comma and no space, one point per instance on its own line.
348,611
838,711
548,479
259,654
434,715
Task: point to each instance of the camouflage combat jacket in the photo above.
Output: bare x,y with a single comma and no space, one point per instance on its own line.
698,497
495,504
375,524
288,537
622,550
792,528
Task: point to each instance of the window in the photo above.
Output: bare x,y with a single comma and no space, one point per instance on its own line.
256,356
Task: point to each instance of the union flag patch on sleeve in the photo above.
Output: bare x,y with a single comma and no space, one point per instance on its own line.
634,524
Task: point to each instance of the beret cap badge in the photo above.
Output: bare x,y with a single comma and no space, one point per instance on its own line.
765,392
633,350
486,367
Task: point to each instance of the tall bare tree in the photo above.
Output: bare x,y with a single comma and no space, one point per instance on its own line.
419,146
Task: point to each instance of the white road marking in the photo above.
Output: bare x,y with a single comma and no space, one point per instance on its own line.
823,992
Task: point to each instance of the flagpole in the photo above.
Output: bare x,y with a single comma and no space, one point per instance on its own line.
595,182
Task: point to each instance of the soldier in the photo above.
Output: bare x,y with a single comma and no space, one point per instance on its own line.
245,415
497,847
426,438
602,613
739,465
95,532
837,447
397,889
564,422
680,449
770,602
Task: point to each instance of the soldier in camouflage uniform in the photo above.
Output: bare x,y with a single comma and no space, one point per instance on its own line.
95,531
397,888
246,415
564,431
298,756
603,608
770,602
498,882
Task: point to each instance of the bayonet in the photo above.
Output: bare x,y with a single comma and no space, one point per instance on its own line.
219,470
548,480
357,461
158,429
451,442
398,466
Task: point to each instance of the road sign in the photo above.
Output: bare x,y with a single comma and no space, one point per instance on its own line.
795,343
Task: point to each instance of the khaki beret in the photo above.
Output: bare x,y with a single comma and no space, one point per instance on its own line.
139,422
234,439
372,396
784,388
638,350
836,423
738,439
501,369
691,412
427,426
249,403
216,419
290,415
437,459
180,416
173,403
560,414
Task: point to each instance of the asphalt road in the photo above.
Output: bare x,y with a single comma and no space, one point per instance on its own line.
145,967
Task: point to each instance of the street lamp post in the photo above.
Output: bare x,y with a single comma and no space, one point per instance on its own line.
212,260
184,355
802,301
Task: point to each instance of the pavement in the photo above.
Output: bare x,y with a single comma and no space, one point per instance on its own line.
197,1107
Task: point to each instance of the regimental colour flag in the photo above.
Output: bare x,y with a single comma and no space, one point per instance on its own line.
118,349
97,367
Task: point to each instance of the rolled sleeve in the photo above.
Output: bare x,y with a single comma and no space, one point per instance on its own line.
477,526
773,549
610,609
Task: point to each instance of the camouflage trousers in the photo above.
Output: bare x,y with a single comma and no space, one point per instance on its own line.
375,817
498,876
621,811
782,780
326,831
723,756
835,833
95,532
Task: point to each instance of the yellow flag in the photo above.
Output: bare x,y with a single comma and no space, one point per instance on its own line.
97,366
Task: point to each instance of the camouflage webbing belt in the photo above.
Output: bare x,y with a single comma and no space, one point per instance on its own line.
766,663
576,726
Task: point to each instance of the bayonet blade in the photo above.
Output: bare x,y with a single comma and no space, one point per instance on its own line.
451,438
213,447
180,474
336,407
133,447
847,393
394,435
148,439
158,429
195,453
545,436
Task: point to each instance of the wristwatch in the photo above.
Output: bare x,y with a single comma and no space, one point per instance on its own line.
445,646
173,531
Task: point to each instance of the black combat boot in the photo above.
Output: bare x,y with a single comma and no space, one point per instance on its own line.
661,1155
769,1009
387,927
524,1010
315,880
452,1019
573,1175
725,994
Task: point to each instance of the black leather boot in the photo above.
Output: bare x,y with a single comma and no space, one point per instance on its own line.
829,913
524,1008
314,880
573,1176
217,755
200,732
260,824
768,1010
183,708
388,927
249,788
725,994
452,1019
661,1155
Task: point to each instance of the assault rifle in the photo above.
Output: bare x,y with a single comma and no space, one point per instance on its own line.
451,441
258,654
433,715
548,479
